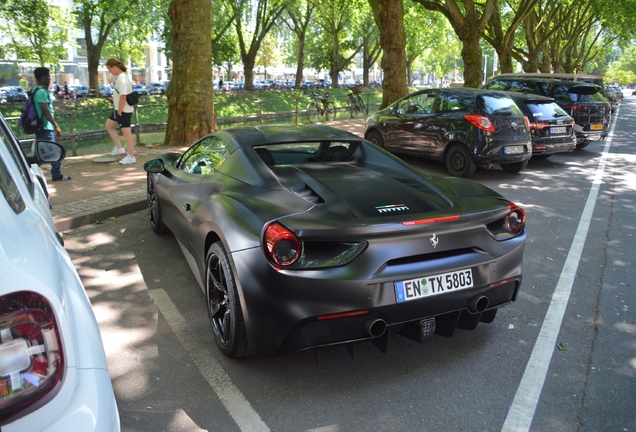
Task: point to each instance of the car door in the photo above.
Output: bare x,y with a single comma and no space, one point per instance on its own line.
447,122
404,127
180,191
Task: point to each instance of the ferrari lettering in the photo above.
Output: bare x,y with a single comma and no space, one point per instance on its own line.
391,208
433,285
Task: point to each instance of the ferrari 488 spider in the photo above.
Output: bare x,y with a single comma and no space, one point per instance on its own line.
307,236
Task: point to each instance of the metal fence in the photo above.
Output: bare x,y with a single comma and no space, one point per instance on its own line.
145,116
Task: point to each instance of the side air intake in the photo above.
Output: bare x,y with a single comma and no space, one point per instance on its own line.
307,193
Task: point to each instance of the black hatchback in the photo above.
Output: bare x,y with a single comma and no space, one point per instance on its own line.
583,101
463,127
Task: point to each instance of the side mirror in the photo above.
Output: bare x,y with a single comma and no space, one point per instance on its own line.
154,166
47,151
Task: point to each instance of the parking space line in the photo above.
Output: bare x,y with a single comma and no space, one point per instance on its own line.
524,404
233,400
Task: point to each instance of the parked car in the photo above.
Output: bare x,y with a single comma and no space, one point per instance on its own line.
462,127
551,128
596,80
155,88
3,96
581,100
54,374
105,91
81,91
338,240
142,90
612,97
14,94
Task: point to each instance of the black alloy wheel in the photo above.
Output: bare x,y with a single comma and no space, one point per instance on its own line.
154,211
224,307
376,138
459,161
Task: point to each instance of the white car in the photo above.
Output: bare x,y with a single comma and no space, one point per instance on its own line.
53,370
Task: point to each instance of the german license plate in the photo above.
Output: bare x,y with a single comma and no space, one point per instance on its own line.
558,130
514,149
597,126
429,286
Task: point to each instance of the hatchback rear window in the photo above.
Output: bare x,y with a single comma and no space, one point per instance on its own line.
493,104
545,110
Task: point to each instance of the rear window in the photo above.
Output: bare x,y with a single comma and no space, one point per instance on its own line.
494,104
545,110
596,97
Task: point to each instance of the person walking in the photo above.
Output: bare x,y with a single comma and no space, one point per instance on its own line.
44,109
122,112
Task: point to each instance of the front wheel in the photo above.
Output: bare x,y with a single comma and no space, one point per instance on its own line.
313,110
224,306
376,138
154,210
330,114
459,161
353,108
514,167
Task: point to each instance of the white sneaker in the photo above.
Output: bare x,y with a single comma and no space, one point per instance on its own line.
117,151
128,160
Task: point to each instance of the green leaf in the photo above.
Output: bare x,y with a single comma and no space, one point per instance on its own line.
561,346
92,248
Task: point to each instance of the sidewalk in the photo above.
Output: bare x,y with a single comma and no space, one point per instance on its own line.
99,190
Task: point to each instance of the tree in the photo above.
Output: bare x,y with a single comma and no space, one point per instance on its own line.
416,20
389,17
269,54
37,31
297,17
190,95
369,34
252,25
469,20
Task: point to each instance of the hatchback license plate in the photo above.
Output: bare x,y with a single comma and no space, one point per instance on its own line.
597,126
429,286
558,130
514,149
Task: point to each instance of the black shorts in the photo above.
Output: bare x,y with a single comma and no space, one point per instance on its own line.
123,119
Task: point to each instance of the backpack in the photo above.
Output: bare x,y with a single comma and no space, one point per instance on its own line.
132,98
29,121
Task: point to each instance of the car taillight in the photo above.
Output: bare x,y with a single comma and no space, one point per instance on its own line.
538,125
31,358
516,218
480,121
282,247
510,225
576,107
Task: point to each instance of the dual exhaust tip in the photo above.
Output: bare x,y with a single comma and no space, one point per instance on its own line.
376,327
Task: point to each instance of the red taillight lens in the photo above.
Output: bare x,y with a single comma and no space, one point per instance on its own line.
538,125
516,218
480,122
31,358
282,247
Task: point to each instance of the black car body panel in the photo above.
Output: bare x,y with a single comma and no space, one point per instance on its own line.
366,220
426,123
551,128
583,101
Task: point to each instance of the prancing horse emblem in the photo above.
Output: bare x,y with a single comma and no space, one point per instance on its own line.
434,240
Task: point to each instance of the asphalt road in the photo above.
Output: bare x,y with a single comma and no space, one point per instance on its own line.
579,292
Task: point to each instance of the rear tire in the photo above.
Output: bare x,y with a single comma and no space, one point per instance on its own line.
459,161
312,112
331,111
224,306
376,138
514,167
154,209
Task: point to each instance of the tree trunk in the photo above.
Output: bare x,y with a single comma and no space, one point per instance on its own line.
300,66
505,61
190,96
248,71
471,54
389,16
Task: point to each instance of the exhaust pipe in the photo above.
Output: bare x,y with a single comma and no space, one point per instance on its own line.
375,327
478,304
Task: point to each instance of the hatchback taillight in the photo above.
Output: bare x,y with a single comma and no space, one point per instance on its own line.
282,247
480,121
31,358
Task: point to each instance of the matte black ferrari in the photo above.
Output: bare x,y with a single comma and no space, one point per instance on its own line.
309,236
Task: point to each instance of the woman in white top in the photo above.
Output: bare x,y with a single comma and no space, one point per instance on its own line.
122,112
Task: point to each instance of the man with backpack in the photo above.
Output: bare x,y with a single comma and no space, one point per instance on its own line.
44,108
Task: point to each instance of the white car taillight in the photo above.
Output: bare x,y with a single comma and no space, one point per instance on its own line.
31,357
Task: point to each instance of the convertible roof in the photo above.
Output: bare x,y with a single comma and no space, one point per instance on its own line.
268,134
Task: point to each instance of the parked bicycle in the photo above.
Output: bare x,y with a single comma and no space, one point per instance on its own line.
355,103
320,106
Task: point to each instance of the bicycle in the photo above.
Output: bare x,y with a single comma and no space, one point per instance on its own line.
355,103
320,106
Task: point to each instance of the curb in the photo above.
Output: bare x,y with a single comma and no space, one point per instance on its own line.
68,223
